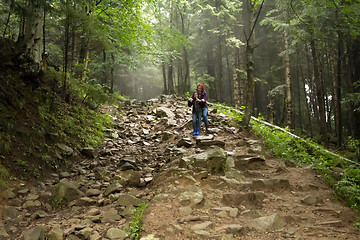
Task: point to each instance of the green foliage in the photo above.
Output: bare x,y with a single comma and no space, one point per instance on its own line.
135,226
306,153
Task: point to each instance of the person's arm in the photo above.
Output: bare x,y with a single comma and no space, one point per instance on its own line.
204,97
190,102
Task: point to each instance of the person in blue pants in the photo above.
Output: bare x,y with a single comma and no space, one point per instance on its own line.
197,112
203,98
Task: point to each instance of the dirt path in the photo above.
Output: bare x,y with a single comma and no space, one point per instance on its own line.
194,190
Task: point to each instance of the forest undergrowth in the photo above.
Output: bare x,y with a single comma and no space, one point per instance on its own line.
38,121
342,175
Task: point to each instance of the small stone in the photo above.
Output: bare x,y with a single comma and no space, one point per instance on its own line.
36,233
39,214
113,188
93,212
55,234
111,215
222,214
311,200
85,233
202,226
85,202
272,222
127,200
150,237
115,234
8,194
185,211
95,236
64,175
92,192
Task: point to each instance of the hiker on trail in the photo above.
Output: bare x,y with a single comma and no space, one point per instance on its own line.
203,97
197,112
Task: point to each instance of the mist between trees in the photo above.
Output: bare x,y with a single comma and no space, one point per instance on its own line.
294,62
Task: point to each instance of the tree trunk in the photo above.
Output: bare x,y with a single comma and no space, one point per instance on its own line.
319,92
236,79
164,78
86,59
288,102
250,65
66,51
112,72
34,31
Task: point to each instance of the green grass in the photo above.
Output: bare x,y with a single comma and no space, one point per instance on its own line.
306,153
135,226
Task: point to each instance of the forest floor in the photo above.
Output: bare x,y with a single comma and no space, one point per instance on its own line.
192,189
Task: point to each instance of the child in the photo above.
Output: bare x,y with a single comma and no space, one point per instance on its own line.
198,106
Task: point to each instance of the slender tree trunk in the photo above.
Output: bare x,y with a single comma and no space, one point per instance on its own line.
8,17
86,59
319,92
250,65
220,89
66,51
73,51
229,76
236,79
337,90
112,72
288,100
164,78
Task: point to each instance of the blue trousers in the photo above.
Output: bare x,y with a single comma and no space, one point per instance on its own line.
196,117
205,114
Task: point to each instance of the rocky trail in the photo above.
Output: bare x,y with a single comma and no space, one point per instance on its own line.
219,185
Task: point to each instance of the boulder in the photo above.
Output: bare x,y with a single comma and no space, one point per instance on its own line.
3,233
129,178
36,233
311,200
111,215
65,191
193,194
272,222
55,234
112,188
115,234
127,200
214,159
164,112
65,150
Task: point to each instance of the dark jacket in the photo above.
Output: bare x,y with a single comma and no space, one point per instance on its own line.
197,106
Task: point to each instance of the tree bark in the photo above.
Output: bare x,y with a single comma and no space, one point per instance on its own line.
164,77
288,101
34,31
319,93
249,50
112,72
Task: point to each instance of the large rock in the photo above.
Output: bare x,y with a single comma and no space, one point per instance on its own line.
250,163
65,191
55,234
214,159
234,199
65,150
205,143
3,233
8,194
193,194
112,188
164,112
272,222
115,234
129,178
311,200
111,215
36,233
127,200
